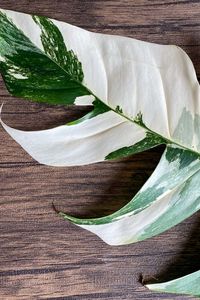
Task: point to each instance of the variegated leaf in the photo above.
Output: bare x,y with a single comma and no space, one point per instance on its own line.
37,65
51,61
189,285
169,196
85,141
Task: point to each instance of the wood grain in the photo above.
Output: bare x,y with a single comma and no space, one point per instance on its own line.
44,257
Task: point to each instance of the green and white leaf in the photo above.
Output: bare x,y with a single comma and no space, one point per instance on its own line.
169,196
49,61
87,141
37,65
189,285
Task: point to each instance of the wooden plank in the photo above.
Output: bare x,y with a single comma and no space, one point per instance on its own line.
44,257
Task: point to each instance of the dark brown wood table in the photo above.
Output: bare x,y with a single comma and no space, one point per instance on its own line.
45,257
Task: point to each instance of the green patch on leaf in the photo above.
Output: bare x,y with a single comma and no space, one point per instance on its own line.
185,157
151,140
35,75
99,108
54,46
118,109
139,120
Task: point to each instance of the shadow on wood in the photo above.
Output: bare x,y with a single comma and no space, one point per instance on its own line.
187,261
124,185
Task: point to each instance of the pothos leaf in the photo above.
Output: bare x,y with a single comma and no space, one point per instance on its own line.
189,285
48,72
85,141
50,61
169,196
143,95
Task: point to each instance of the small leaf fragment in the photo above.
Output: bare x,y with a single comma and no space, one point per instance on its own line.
189,285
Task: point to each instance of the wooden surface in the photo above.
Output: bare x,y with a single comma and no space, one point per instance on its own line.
44,257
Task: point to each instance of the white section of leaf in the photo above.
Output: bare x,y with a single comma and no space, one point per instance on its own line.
84,143
2,58
17,75
128,229
137,75
84,100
